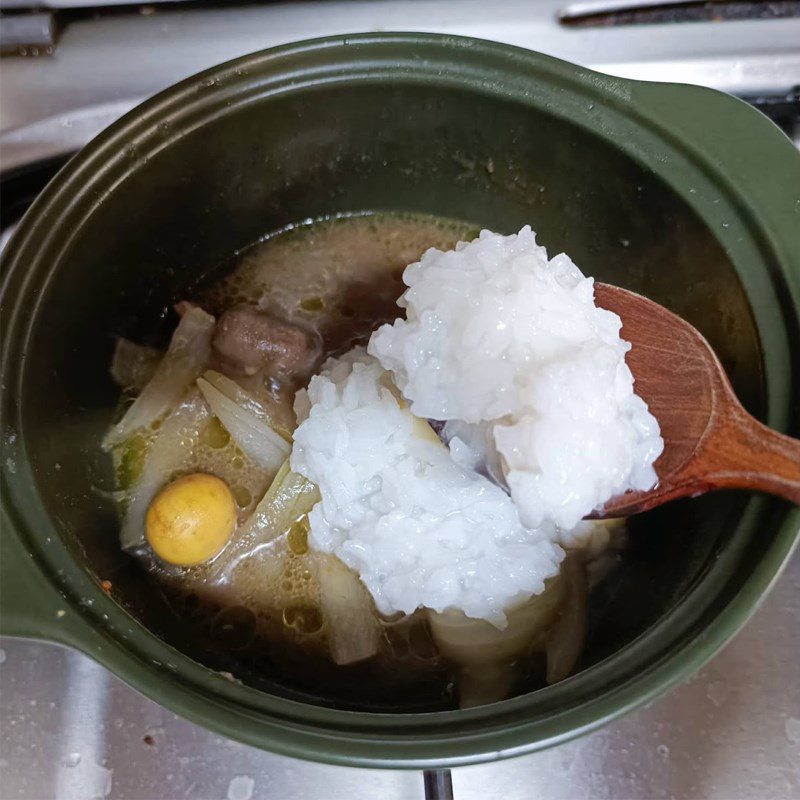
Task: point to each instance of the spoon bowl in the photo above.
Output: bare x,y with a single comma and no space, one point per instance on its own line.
710,441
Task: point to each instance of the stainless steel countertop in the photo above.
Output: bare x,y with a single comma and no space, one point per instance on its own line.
72,730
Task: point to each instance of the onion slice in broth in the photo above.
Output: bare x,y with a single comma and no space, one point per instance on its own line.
253,434
352,626
187,356
565,641
486,657
133,365
288,499
166,455
262,405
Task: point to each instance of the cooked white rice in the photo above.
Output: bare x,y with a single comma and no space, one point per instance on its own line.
418,528
511,346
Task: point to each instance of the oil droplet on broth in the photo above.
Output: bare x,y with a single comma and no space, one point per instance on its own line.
298,537
303,618
312,304
215,435
242,496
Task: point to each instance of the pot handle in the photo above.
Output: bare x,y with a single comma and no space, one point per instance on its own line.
30,605
725,131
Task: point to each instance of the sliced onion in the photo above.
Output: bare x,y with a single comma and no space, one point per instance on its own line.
133,365
289,498
351,624
252,434
168,453
566,638
256,398
185,359
486,657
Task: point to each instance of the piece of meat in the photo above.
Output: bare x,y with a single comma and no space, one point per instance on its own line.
250,340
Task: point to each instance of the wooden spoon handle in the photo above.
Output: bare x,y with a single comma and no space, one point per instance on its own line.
753,456
738,452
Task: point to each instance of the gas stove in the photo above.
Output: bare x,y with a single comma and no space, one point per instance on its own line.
72,730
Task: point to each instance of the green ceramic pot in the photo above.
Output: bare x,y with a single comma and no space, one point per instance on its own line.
681,193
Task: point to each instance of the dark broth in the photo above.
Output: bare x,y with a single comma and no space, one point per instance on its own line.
339,278
255,609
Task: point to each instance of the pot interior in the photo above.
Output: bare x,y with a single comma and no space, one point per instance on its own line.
179,211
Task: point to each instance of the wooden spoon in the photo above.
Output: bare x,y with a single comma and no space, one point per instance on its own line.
710,441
